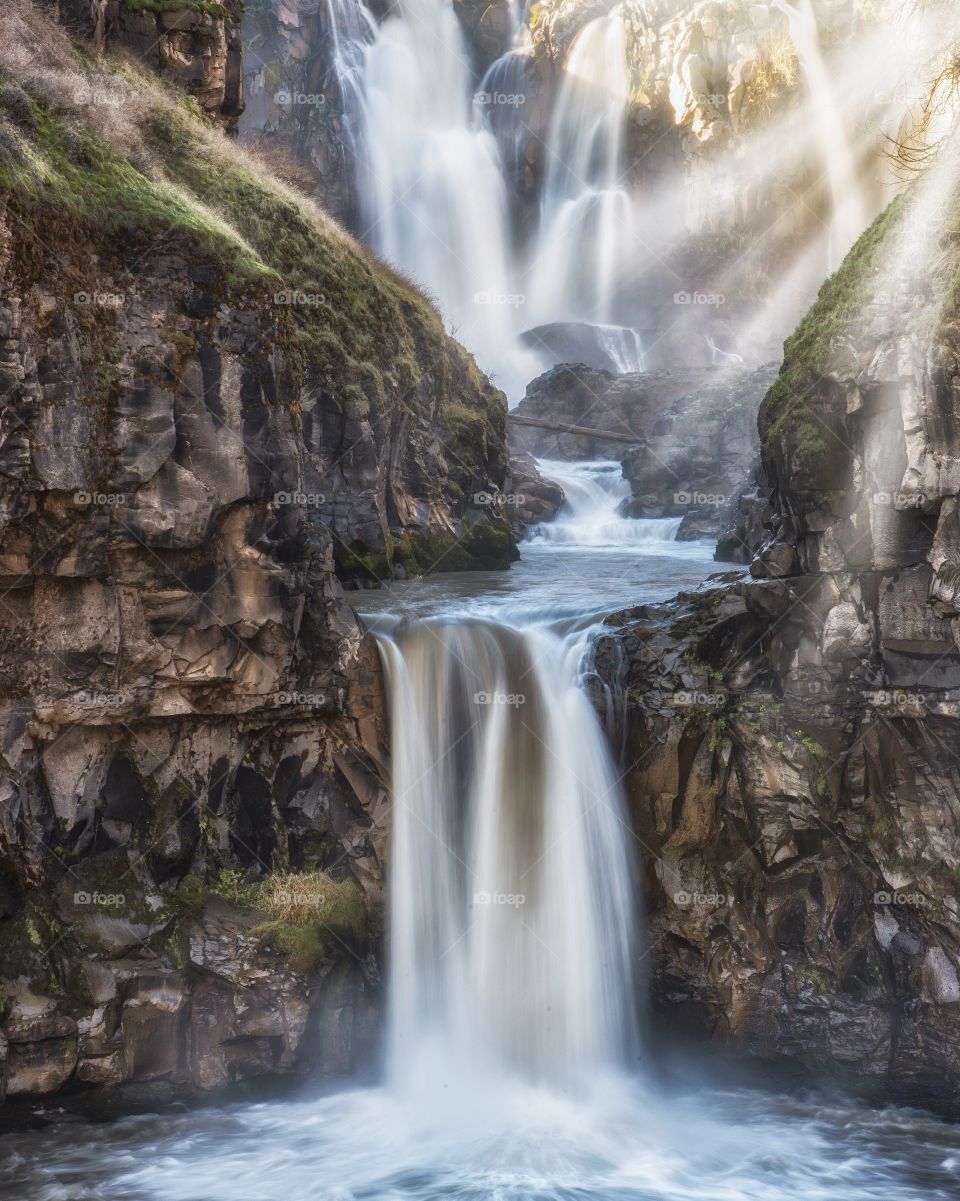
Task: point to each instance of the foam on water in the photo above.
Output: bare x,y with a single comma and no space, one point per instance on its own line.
590,518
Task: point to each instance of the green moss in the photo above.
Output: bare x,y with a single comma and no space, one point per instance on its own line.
785,415
486,546
815,977
358,563
311,917
209,7
77,175
232,886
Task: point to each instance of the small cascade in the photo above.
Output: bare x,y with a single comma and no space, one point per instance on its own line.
720,357
586,215
593,494
352,28
849,216
624,347
512,900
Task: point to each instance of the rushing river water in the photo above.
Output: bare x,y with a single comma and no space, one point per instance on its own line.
515,1068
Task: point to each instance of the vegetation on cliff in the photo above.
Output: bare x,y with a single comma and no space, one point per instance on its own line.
106,158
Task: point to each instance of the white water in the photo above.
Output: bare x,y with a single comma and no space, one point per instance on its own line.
624,347
587,217
431,187
434,197
352,29
593,492
720,357
476,1107
512,906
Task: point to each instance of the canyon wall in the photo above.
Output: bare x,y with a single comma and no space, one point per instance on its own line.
216,408
792,744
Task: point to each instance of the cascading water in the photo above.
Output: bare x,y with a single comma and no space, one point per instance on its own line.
593,492
352,29
435,160
586,215
512,905
431,184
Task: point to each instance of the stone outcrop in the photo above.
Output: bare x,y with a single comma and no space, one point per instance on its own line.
793,742
195,44
204,430
530,499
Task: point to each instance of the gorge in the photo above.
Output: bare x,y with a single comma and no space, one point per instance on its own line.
530,775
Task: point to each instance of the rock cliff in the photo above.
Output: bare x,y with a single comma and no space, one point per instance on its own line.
215,408
792,743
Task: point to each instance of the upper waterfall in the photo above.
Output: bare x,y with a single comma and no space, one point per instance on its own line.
587,214
431,186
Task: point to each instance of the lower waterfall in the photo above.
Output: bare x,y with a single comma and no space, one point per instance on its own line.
513,934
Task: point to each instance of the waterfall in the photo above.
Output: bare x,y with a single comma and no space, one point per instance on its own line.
849,215
586,214
438,166
593,492
512,903
431,186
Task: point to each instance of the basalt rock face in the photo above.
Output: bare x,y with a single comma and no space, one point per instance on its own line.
793,743
686,439
698,453
194,451
196,44
299,99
